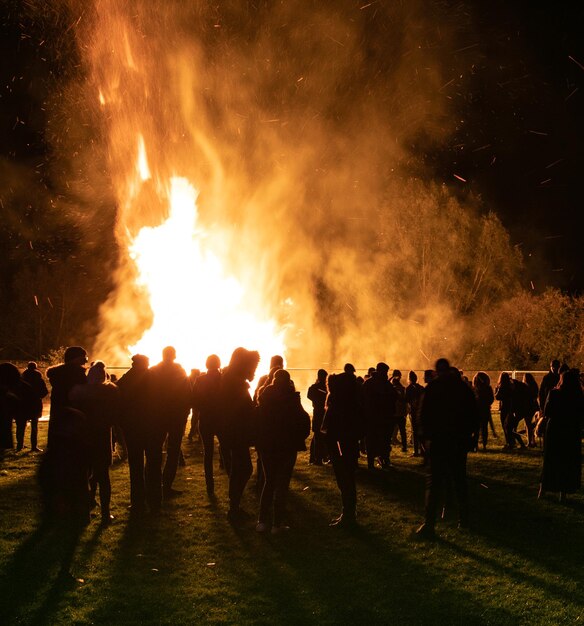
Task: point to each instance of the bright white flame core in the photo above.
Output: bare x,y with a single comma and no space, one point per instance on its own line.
196,307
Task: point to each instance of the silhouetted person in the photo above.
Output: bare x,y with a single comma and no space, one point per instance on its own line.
143,437
449,417
34,378
276,363
64,471
63,378
194,430
533,408
549,382
522,411
8,407
170,402
379,400
485,397
342,426
414,393
18,402
236,426
401,410
317,395
282,428
562,448
504,394
206,402
98,400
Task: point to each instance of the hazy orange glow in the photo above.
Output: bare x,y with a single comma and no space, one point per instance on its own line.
197,306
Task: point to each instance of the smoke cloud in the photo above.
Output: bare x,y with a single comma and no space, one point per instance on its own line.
303,126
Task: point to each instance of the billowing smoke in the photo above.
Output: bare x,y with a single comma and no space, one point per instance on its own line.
303,125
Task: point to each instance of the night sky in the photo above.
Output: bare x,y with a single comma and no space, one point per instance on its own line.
518,142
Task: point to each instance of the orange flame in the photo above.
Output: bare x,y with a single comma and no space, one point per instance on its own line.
196,306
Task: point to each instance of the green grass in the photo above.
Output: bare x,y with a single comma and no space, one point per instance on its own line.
522,563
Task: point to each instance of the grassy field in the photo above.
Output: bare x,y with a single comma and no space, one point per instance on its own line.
522,562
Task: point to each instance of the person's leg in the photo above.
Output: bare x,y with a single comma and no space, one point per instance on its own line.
436,473
402,433
458,473
270,466
208,438
105,493
34,433
135,447
153,473
175,435
283,476
241,471
20,429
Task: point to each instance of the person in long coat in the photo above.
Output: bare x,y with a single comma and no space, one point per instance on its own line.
562,448
343,427
282,428
235,432
449,419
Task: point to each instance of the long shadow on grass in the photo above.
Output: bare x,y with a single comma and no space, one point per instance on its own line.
510,518
331,576
39,574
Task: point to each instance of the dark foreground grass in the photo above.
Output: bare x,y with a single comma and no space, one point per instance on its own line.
522,562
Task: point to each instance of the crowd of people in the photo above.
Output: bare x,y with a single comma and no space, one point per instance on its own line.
147,409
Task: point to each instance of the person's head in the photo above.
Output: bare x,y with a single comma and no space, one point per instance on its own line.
504,379
370,371
31,366
481,379
277,361
349,368
555,366
332,383
9,375
564,367
429,375
213,362
168,354
412,377
244,363
570,381
382,370
75,355
282,379
321,376
97,374
195,373
140,362
396,375
442,366
528,379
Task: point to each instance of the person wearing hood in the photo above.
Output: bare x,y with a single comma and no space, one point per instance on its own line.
282,428
235,426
